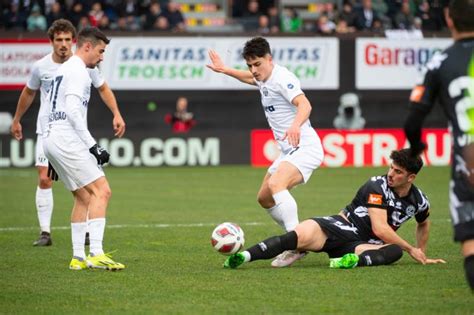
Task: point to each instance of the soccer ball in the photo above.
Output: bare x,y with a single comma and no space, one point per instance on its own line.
227,238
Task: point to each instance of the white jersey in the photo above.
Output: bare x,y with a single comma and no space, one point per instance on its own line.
277,94
41,77
72,78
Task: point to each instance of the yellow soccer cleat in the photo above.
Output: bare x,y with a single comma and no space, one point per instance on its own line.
77,264
103,261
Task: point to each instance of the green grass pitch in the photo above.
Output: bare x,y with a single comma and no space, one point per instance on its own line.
160,221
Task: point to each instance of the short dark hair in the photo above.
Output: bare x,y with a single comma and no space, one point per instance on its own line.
92,35
256,47
61,26
404,158
462,14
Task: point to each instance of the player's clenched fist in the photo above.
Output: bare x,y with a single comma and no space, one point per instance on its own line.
100,154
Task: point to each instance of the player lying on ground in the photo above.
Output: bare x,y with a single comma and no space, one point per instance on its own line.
364,233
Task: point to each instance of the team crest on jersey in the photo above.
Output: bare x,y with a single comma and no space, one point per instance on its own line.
290,86
375,199
410,210
265,91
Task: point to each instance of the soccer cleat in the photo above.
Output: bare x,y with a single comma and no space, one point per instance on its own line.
77,264
43,240
103,261
287,258
233,261
348,261
87,241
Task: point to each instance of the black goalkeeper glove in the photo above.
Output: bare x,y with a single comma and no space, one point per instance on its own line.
52,172
100,154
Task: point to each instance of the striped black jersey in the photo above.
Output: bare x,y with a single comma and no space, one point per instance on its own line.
449,79
376,193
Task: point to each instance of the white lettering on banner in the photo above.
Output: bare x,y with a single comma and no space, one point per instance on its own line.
121,151
332,144
383,145
393,64
28,155
358,141
135,63
432,151
203,155
16,59
373,147
152,152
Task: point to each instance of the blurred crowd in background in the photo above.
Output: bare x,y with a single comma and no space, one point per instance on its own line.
262,17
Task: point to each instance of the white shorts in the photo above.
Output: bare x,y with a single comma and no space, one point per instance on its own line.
73,162
40,158
305,158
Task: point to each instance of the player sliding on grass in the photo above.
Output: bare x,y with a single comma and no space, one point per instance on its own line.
287,110
362,234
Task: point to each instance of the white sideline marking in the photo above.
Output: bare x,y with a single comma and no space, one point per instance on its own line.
124,226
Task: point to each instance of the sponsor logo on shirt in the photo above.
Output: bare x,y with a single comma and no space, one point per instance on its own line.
375,199
290,86
269,108
57,116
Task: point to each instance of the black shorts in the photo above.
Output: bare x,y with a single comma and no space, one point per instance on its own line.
462,214
342,235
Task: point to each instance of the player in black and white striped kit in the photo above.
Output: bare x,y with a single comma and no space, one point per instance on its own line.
449,79
364,230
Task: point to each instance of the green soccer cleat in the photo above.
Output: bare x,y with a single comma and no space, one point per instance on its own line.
235,260
348,261
77,264
103,261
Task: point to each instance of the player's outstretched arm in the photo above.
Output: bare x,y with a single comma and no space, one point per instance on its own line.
382,230
24,102
218,66
109,99
422,236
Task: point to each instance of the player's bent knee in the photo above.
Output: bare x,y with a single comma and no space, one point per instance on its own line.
276,185
392,253
45,182
306,232
265,201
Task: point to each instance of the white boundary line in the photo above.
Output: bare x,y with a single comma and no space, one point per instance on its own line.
151,226
124,226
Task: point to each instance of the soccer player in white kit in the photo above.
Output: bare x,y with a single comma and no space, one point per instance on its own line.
61,35
74,153
287,110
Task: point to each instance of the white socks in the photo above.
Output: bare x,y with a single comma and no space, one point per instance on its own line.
78,234
44,207
285,211
275,213
96,229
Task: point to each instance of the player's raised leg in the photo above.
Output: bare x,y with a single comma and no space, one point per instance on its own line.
285,208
